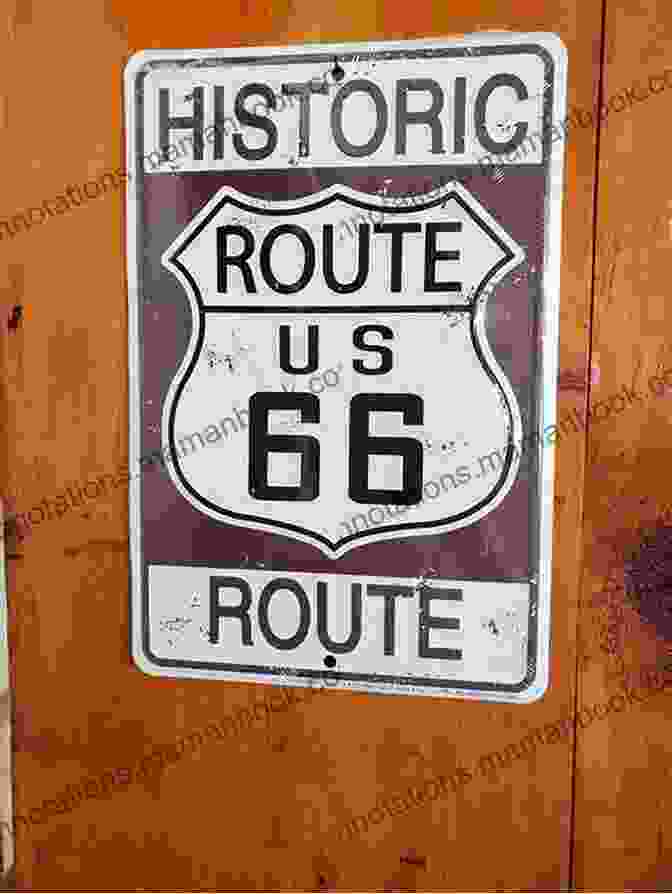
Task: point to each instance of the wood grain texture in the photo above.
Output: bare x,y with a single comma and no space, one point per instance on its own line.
623,839
260,812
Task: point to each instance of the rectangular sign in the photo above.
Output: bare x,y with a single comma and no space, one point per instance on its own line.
343,281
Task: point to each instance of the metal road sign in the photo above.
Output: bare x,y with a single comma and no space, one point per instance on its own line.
343,269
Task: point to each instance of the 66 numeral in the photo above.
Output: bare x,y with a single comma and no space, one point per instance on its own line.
262,443
362,446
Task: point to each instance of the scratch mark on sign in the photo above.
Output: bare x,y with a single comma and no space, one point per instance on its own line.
454,318
175,626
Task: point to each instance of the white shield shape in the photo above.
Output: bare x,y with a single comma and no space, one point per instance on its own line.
338,368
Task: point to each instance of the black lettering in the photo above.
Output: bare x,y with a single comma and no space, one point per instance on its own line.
460,114
259,122
364,252
218,611
267,594
225,260
427,622
185,122
355,620
385,353
220,122
363,445
429,116
500,80
432,255
389,594
376,94
304,92
397,231
262,444
313,358
265,259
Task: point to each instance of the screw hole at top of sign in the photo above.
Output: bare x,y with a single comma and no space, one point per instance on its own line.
330,661
337,72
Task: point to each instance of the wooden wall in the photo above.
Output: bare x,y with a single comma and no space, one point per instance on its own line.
265,810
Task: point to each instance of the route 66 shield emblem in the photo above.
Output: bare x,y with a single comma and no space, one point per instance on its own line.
343,268
399,321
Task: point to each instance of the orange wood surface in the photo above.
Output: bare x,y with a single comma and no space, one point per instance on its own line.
623,809
265,810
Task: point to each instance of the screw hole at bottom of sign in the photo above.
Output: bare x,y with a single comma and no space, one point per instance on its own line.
330,661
